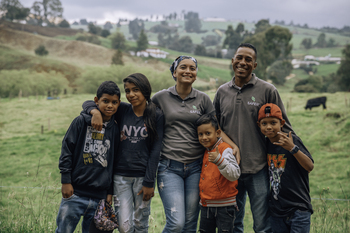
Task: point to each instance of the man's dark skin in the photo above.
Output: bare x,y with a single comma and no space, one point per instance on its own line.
243,64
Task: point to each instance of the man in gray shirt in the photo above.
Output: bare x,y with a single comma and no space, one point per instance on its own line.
237,104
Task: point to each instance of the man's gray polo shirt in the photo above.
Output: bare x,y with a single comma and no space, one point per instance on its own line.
237,112
180,139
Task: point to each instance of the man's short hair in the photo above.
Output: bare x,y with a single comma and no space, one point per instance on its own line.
247,45
206,119
108,87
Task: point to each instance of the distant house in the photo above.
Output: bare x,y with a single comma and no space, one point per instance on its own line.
297,63
151,52
325,59
153,42
214,19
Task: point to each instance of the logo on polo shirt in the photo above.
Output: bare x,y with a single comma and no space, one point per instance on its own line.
195,110
253,102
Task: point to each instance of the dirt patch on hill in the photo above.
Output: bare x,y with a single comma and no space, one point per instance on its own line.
77,52
44,31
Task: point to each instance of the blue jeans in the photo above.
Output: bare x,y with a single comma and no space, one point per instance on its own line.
258,188
299,222
133,212
70,211
178,186
217,217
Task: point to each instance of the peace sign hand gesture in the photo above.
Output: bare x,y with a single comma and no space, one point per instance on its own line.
285,141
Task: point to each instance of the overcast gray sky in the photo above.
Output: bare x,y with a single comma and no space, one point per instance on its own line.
316,13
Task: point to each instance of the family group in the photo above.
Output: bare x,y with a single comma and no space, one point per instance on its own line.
205,157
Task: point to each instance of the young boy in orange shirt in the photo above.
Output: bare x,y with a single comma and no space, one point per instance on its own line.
289,166
218,181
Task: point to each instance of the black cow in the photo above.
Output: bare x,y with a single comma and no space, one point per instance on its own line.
315,102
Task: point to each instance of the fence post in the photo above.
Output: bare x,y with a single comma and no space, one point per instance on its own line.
346,101
42,129
48,128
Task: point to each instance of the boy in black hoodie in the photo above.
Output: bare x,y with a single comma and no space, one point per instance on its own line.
86,162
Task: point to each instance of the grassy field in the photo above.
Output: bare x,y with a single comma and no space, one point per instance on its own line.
32,128
30,179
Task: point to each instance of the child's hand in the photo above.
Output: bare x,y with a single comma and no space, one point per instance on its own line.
213,155
109,198
285,141
148,193
96,120
67,190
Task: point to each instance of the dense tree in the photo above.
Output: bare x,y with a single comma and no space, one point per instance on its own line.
210,40
277,41
306,43
262,25
344,69
233,38
108,26
279,70
163,27
331,43
118,41
135,27
117,58
142,42
200,50
105,33
64,24
184,44
13,9
321,41
83,22
96,30
240,28
272,44
193,23
47,10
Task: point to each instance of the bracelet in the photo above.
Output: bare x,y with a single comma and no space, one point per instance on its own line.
294,150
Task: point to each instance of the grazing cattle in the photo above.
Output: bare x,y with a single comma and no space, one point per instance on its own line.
315,102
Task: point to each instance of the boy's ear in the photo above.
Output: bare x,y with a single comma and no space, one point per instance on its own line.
282,122
218,132
258,123
96,100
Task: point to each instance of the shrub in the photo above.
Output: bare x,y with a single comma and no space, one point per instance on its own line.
64,24
105,33
117,58
30,83
41,51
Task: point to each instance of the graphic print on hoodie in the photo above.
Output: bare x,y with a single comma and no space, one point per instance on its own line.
95,148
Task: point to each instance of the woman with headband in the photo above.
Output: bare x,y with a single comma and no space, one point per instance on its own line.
181,154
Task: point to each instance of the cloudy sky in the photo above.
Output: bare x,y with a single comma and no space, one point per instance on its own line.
316,13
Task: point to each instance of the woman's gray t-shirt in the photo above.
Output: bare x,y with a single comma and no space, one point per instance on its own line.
180,139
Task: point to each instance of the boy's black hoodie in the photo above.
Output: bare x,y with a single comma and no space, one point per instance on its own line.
87,157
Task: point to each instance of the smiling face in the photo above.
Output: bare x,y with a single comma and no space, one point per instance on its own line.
270,126
207,135
244,62
108,105
186,72
134,95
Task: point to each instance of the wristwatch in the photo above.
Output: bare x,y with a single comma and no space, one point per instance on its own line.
294,150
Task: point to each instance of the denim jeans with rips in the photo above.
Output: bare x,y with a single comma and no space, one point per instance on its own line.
258,188
71,210
299,222
178,186
221,218
133,212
